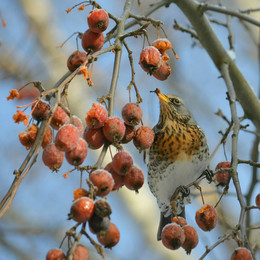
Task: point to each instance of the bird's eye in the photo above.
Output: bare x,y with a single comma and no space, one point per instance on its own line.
175,101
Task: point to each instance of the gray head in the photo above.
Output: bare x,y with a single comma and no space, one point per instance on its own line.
174,108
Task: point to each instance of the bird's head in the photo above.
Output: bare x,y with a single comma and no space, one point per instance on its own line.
173,108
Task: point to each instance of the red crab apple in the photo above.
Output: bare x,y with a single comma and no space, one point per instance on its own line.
82,209
191,238
55,254
91,41
109,238
150,59
76,59
98,20
206,217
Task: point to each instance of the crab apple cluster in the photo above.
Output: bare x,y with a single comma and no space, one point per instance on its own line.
93,38
153,59
97,215
222,177
179,234
80,252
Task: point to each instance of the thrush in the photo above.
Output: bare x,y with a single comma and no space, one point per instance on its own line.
178,156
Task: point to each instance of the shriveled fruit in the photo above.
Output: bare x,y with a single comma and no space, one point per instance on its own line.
80,253
122,163
67,138
97,224
82,210
41,110
96,116
180,221
94,137
103,180
163,72
191,238
150,59
119,180
173,236
102,208
134,180
60,118
52,157
76,59
132,114
114,129
91,41
80,192
206,217
162,45
47,139
222,177
109,238
77,155
27,138
98,20
144,138
55,254
241,253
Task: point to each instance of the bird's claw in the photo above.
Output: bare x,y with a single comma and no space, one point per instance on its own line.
209,175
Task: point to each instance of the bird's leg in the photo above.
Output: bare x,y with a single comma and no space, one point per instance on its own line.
199,188
209,175
180,193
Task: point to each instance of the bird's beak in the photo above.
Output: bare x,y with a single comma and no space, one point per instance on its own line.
161,96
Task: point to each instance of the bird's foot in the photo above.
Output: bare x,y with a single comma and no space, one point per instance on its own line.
209,175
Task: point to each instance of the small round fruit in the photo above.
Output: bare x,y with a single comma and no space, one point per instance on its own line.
114,129
144,138
96,116
134,180
122,163
162,45
77,155
206,217
102,208
78,123
80,253
163,72
59,119
52,157
173,236
119,180
76,59
98,20
94,137
41,110
129,134
132,114
241,253
150,59
55,254
67,138
91,41
191,238
82,210
180,221
97,224
103,180
27,138
257,200
222,177
109,238
47,139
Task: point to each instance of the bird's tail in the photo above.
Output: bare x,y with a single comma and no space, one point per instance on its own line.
166,220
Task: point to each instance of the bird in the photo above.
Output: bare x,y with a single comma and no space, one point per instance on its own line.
178,156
